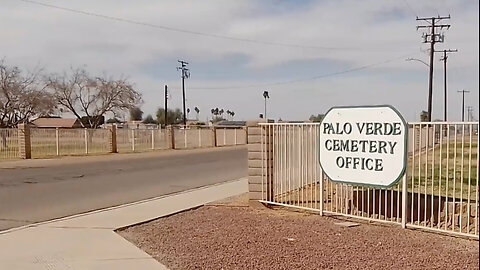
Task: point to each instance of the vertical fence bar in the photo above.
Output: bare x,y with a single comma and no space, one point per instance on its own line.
440,175
276,160
199,137
153,138
461,177
447,178
235,136
476,184
433,175
185,139
285,156
262,142
133,139
413,172
57,141
318,171
86,140
469,175
419,172
299,171
454,176
404,201
427,145
225,136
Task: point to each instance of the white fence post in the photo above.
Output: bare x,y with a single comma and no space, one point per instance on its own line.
321,192
57,141
86,140
404,200
235,131
185,135
153,139
199,137
224,136
133,140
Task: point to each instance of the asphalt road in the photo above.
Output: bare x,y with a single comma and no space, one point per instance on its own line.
39,190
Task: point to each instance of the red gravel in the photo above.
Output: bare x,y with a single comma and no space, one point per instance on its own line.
229,237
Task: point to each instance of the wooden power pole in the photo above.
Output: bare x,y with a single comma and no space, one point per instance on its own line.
432,23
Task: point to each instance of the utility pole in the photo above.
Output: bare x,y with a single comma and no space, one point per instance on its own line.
265,96
463,103
432,38
166,106
470,113
185,74
444,59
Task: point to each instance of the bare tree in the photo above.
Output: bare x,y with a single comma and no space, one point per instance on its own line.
21,96
79,93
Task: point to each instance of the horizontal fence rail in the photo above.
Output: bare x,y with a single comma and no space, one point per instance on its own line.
441,182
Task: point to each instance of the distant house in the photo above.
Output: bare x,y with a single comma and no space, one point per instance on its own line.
54,122
231,123
137,125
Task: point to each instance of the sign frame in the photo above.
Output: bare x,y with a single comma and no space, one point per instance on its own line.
405,148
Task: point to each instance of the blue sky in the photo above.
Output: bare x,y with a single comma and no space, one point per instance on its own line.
346,34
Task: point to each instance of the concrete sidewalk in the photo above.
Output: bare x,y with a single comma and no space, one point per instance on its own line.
88,241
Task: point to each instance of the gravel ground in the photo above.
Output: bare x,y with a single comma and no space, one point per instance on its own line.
228,235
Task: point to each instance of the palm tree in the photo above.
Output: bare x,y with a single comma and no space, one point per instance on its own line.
197,110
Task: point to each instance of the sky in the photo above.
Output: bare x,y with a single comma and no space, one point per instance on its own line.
310,55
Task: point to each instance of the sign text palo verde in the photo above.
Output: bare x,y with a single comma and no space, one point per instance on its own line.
363,145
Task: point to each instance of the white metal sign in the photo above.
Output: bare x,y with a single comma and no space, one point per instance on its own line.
363,145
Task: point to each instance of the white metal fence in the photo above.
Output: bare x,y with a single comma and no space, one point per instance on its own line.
58,142
46,142
8,143
441,180
228,136
193,137
138,140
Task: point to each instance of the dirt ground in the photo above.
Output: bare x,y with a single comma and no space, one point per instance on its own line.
229,235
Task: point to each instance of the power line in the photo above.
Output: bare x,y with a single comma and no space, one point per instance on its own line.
410,8
197,33
302,79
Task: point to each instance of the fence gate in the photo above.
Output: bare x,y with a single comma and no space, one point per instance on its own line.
441,180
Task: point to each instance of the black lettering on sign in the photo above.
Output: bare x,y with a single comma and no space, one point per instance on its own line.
327,128
397,128
378,165
340,162
327,145
360,127
377,128
392,146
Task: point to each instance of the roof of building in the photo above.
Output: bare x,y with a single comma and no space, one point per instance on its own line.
56,122
230,123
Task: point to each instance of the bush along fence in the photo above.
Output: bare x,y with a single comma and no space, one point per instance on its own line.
26,142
